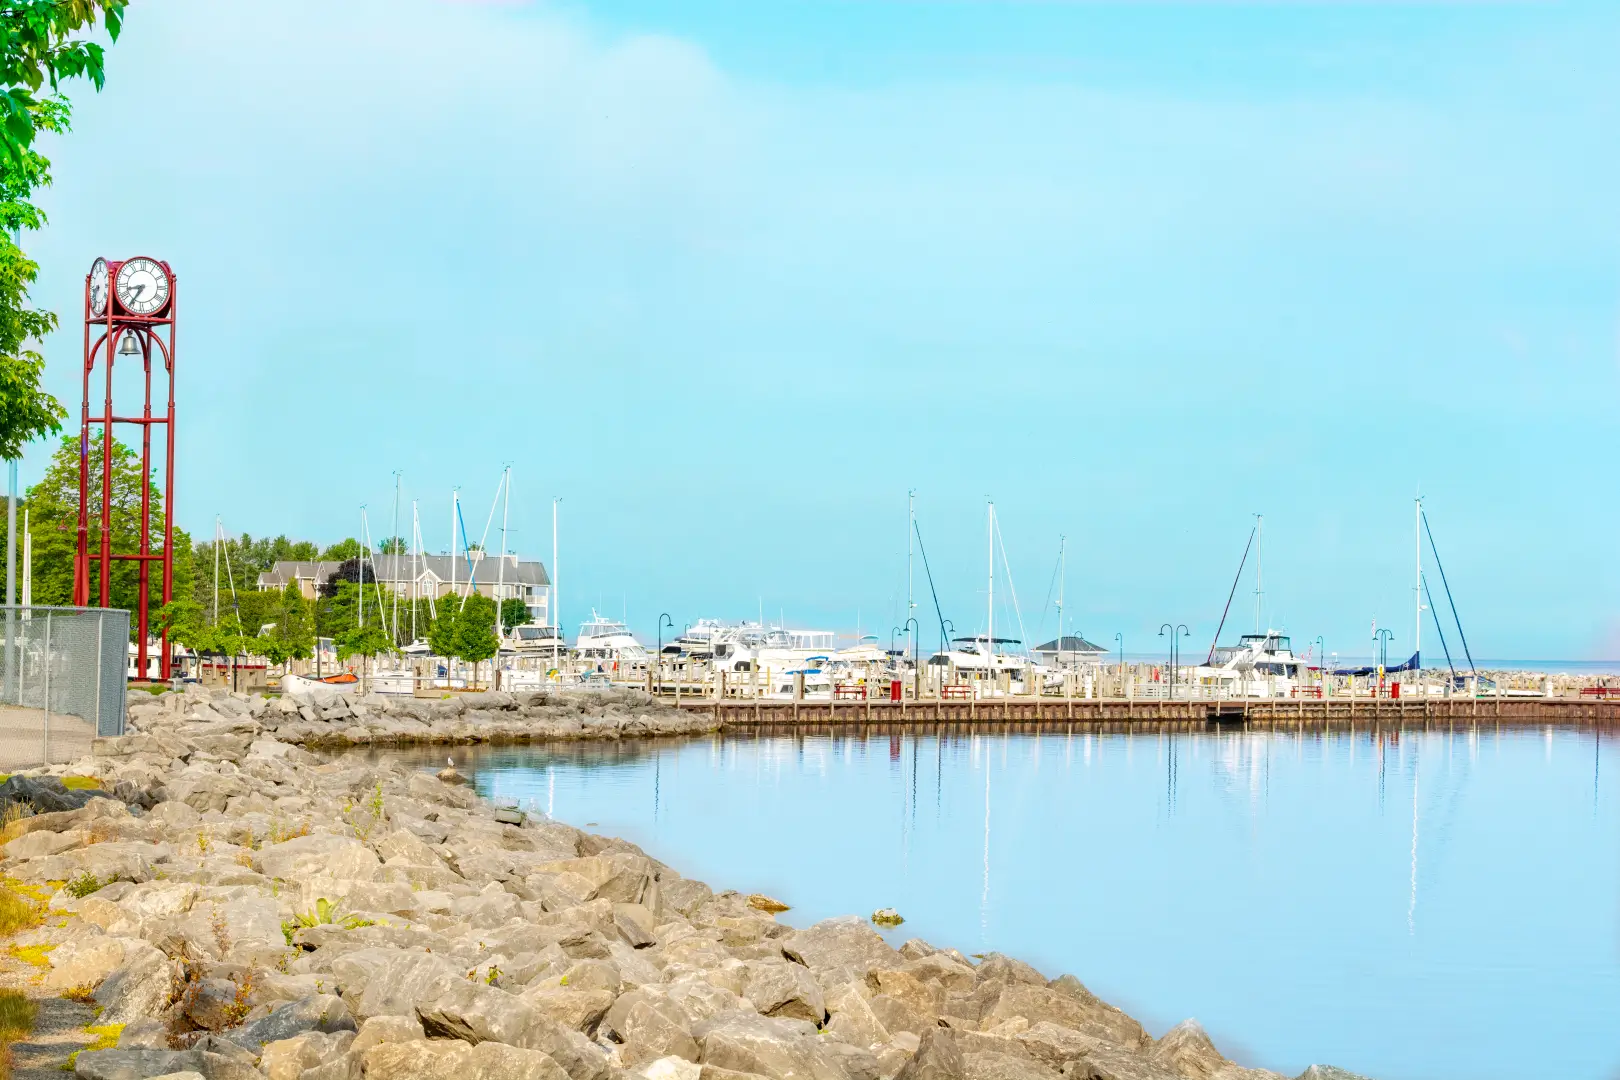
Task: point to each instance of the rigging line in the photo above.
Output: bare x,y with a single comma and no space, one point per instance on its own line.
472,573
231,578
1441,567
483,541
931,590
1227,610
1435,615
1013,589
1050,589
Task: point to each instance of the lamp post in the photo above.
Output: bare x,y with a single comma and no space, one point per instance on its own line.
1176,633
894,631
1382,639
662,619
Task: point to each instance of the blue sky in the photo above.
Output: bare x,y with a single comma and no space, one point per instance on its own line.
729,278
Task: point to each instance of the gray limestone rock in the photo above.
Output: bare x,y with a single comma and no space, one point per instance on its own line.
1329,1072
323,1013
140,987
135,1064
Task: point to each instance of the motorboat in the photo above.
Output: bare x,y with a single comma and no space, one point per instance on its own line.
1259,665
608,639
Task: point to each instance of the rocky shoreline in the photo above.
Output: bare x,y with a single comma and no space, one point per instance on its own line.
237,907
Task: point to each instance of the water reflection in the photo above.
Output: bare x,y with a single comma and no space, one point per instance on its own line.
1267,882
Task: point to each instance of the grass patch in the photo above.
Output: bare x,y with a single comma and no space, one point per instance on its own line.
21,908
17,1014
37,955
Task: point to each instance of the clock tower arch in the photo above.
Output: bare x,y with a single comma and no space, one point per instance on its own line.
129,317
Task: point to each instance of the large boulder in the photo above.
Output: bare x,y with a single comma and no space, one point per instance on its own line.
324,1013
45,794
781,988
1329,1072
847,943
85,961
324,855
140,986
476,1013
768,1046
650,1026
1075,1009
389,982
937,1058
1188,1049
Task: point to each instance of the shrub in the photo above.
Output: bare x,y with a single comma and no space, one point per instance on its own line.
85,884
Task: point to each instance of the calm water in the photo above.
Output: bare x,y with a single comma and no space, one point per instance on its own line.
1415,906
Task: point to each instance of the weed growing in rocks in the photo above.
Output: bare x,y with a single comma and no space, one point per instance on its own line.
85,884
245,858
203,841
280,831
220,929
325,914
84,994
236,1012
368,817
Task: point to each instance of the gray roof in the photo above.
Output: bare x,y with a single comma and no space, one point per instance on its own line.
390,568
1070,644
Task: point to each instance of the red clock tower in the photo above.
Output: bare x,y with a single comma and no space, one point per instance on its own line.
129,310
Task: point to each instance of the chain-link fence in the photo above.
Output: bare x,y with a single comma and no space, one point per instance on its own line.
63,674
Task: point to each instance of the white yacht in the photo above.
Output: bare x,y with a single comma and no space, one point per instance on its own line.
975,657
531,640
1259,665
608,639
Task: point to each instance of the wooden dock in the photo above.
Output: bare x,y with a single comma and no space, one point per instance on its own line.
1252,713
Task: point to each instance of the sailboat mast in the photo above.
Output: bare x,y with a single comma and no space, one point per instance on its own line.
360,608
911,607
556,592
1062,574
500,572
455,499
1417,585
393,542
1259,566
990,600
416,559
217,530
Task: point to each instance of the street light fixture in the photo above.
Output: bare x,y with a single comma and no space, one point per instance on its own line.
662,619
1176,633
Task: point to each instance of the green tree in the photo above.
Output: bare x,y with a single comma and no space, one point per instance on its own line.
514,613
475,631
367,640
53,505
37,48
293,636
393,545
343,550
443,632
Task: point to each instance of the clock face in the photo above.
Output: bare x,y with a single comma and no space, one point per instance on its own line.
98,287
143,286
